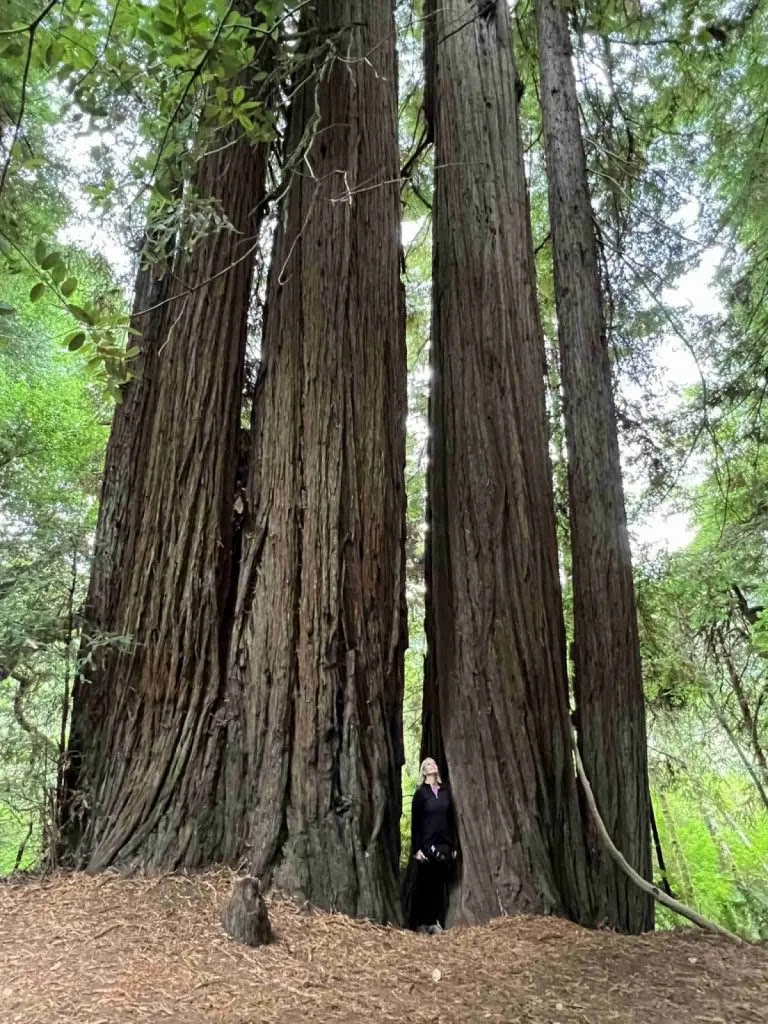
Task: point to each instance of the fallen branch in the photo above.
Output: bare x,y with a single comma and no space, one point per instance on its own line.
626,867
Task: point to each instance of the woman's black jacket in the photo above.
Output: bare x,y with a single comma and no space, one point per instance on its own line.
433,822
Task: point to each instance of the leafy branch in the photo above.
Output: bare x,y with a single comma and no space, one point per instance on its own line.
31,30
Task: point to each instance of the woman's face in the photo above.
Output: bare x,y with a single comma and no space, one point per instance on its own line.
430,768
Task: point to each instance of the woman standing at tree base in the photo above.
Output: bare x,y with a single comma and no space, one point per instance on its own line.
433,847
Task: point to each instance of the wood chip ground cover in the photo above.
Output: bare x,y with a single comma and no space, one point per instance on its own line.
76,949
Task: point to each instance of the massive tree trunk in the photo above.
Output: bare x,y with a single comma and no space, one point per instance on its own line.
116,530
498,649
607,675
144,748
318,651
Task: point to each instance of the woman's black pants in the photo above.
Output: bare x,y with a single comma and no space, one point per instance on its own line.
430,895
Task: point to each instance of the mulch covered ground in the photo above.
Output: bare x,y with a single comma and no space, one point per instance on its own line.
106,950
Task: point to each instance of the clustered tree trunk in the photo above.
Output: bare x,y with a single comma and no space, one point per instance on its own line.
116,529
607,678
317,660
498,655
143,746
257,714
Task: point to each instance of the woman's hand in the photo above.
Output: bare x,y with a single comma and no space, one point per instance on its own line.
420,856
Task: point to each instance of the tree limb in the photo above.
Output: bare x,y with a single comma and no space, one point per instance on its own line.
617,856
24,686
22,848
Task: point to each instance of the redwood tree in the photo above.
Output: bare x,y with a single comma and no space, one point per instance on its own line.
607,675
499,690
144,747
317,669
116,530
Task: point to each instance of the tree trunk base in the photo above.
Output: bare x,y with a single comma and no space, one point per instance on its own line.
245,917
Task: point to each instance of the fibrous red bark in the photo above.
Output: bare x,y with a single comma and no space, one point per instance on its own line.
316,668
498,685
144,748
608,681
116,532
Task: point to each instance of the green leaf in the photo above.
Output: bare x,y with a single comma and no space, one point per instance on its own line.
245,121
37,291
238,95
59,272
69,287
51,260
13,49
132,352
40,251
75,340
81,314
6,310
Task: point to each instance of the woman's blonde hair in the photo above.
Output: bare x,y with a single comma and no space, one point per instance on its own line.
423,774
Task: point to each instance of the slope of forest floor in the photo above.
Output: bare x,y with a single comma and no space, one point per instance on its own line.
107,950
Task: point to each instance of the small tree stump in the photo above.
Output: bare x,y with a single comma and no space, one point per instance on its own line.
245,917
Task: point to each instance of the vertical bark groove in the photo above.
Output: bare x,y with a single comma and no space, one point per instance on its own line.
607,673
316,669
498,681
116,530
146,766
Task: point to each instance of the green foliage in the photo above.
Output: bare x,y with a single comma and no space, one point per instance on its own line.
161,82
704,654
417,335
716,850
52,435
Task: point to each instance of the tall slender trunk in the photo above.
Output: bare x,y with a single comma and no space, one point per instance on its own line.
608,681
317,662
497,661
148,760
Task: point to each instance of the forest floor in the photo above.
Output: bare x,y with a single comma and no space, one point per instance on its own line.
108,950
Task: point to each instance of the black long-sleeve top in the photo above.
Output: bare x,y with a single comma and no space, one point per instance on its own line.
432,819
